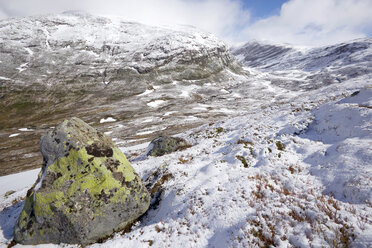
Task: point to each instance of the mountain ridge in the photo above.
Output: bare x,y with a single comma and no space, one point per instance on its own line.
294,57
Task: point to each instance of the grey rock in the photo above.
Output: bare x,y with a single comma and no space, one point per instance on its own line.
85,191
163,145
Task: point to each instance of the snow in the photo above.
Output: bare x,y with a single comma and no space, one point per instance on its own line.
191,118
146,92
185,94
4,78
147,120
18,182
200,108
170,113
14,135
225,91
346,131
25,129
156,103
22,67
30,52
108,119
307,177
145,132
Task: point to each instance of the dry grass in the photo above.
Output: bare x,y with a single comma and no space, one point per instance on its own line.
322,214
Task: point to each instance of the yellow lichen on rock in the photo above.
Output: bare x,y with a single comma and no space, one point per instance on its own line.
87,189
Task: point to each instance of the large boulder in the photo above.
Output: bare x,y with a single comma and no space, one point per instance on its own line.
85,191
164,144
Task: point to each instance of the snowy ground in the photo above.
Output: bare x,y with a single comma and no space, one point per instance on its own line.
296,173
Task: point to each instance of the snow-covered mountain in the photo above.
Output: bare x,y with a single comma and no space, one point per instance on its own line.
77,64
273,57
310,67
74,47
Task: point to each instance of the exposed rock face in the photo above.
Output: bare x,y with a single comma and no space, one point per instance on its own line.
164,144
85,191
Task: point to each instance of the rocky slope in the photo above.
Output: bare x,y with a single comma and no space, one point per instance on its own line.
76,64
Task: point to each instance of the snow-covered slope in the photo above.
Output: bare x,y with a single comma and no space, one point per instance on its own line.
295,173
311,68
273,57
80,47
75,64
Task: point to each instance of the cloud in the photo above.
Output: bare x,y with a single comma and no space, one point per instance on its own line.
315,22
3,15
300,22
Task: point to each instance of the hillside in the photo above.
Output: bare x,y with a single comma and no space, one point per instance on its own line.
76,64
309,68
294,173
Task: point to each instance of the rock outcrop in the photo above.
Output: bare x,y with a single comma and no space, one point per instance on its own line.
163,145
85,191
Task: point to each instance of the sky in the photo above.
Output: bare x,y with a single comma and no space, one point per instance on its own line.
297,22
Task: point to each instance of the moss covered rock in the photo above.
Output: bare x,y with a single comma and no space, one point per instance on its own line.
85,191
163,145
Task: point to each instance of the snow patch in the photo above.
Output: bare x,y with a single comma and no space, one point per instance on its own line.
25,129
146,92
18,181
185,94
170,113
22,67
4,78
156,103
30,52
224,91
108,119
145,132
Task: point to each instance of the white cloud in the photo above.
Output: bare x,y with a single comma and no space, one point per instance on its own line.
2,14
315,22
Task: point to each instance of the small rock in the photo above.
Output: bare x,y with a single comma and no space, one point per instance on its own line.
8,193
163,145
85,191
